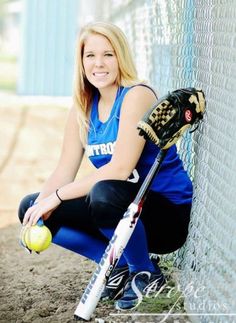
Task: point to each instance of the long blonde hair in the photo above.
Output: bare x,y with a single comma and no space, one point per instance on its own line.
83,90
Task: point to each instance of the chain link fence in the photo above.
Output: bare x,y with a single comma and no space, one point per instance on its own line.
193,43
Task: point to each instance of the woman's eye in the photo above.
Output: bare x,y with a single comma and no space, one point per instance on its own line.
109,54
89,55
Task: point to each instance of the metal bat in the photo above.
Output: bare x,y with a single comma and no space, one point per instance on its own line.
117,244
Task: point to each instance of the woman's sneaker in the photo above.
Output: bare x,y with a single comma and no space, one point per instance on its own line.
142,283
116,283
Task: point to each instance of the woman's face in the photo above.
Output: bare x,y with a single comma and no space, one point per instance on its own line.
100,61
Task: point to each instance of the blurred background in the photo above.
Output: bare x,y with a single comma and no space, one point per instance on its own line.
176,44
37,41
10,24
37,46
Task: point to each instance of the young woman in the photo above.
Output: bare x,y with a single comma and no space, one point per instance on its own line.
109,100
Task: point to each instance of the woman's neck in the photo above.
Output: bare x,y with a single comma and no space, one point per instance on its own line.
108,95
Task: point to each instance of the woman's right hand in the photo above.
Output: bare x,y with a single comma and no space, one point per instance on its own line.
41,209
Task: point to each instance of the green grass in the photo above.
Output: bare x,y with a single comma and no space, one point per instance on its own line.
8,73
170,299
7,58
8,85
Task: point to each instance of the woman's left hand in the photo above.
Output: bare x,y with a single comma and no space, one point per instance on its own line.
42,209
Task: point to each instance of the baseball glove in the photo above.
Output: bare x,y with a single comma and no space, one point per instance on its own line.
166,121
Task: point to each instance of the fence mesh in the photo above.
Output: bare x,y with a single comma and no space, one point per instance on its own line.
193,43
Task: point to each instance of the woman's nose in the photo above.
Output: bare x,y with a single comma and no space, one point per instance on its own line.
99,62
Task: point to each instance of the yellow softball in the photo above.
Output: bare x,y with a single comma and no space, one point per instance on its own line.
37,237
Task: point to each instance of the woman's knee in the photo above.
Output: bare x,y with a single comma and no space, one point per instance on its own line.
117,193
25,204
106,203
101,192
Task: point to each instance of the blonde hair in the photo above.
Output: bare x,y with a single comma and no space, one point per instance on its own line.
83,90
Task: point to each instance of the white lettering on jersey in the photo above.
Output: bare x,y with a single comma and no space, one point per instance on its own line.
101,149
110,147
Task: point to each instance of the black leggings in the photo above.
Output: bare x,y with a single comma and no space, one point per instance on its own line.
166,224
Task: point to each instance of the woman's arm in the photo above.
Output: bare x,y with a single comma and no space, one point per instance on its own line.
128,148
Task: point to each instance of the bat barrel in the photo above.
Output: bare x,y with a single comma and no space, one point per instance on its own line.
114,250
111,256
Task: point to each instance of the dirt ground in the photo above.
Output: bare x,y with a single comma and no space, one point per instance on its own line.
46,287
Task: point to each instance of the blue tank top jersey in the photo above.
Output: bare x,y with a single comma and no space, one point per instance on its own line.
172,180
